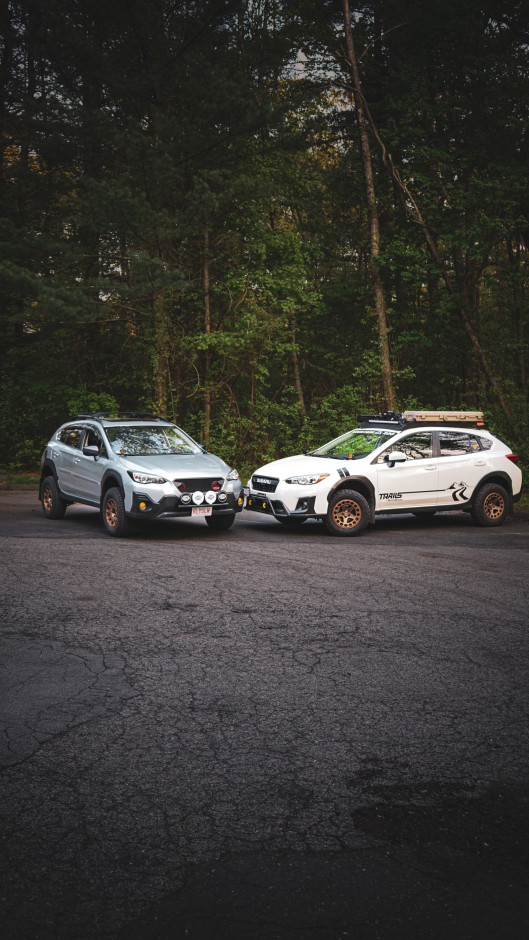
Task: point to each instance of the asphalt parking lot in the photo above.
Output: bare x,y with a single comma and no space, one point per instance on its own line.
263,734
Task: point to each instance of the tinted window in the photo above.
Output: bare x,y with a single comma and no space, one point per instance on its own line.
456,443
72,437
415,446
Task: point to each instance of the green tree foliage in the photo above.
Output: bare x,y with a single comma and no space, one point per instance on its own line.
183,219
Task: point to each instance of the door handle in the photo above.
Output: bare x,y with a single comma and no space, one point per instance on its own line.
480,463
77,460
431,467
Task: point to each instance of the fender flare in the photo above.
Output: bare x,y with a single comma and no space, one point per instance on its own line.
111,478
365,487
495,476
48,469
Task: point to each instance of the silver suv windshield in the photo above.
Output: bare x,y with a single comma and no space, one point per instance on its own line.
354,444
147,440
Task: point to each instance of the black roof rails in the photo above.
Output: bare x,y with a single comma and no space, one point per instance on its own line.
119,416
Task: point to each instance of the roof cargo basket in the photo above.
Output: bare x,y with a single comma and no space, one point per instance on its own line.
474,418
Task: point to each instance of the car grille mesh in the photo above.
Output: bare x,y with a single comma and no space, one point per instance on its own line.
187,485
264,484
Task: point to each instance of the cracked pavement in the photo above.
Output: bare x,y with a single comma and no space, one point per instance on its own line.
263,733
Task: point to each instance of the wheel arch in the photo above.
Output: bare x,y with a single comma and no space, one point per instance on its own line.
109,480
47,470
503,479
362,485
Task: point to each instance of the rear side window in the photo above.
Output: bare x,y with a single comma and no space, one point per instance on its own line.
72,437
456,443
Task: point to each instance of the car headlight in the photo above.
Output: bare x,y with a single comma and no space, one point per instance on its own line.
147,478
305,479
232,475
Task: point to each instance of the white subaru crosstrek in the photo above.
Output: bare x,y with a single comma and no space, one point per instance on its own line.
418,462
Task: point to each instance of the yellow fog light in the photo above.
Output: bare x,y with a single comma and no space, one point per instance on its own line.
143,505
239,500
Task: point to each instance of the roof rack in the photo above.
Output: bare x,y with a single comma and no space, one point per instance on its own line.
119,416
409,419
387,419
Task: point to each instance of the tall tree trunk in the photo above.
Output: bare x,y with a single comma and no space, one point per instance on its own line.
295,367
374,226
161,353
207,331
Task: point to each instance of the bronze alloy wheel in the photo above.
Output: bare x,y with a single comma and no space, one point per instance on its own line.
111,513
494,506
47,497
53,505
346,513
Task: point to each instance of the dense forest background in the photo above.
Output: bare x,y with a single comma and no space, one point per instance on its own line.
262,217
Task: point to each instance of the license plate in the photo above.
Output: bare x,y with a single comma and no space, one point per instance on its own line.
201,511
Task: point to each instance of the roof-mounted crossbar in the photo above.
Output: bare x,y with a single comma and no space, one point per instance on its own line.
119,416
388,419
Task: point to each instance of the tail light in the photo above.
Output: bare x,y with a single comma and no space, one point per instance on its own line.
512,457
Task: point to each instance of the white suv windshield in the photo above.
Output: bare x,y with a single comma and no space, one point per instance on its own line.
148,440
354,444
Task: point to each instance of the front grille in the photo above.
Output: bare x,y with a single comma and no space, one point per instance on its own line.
187,485
264,484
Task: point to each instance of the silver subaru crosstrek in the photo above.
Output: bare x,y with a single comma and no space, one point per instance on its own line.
135,466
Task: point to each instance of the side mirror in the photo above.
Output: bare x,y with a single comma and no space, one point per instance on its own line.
396,456
92,450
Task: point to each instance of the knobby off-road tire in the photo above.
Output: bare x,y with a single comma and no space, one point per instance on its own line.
348,513
220,523
53,505
492,505
113,513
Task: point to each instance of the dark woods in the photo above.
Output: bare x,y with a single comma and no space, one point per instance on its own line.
261,217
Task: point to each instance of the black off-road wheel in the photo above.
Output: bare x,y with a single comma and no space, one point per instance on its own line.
348,513
220,523
53,505
492,505
113,513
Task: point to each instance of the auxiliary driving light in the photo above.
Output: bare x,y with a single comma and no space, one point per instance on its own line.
222,497
210,497
186,498
198,497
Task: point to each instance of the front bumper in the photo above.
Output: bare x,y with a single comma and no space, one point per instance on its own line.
144,507
302,508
